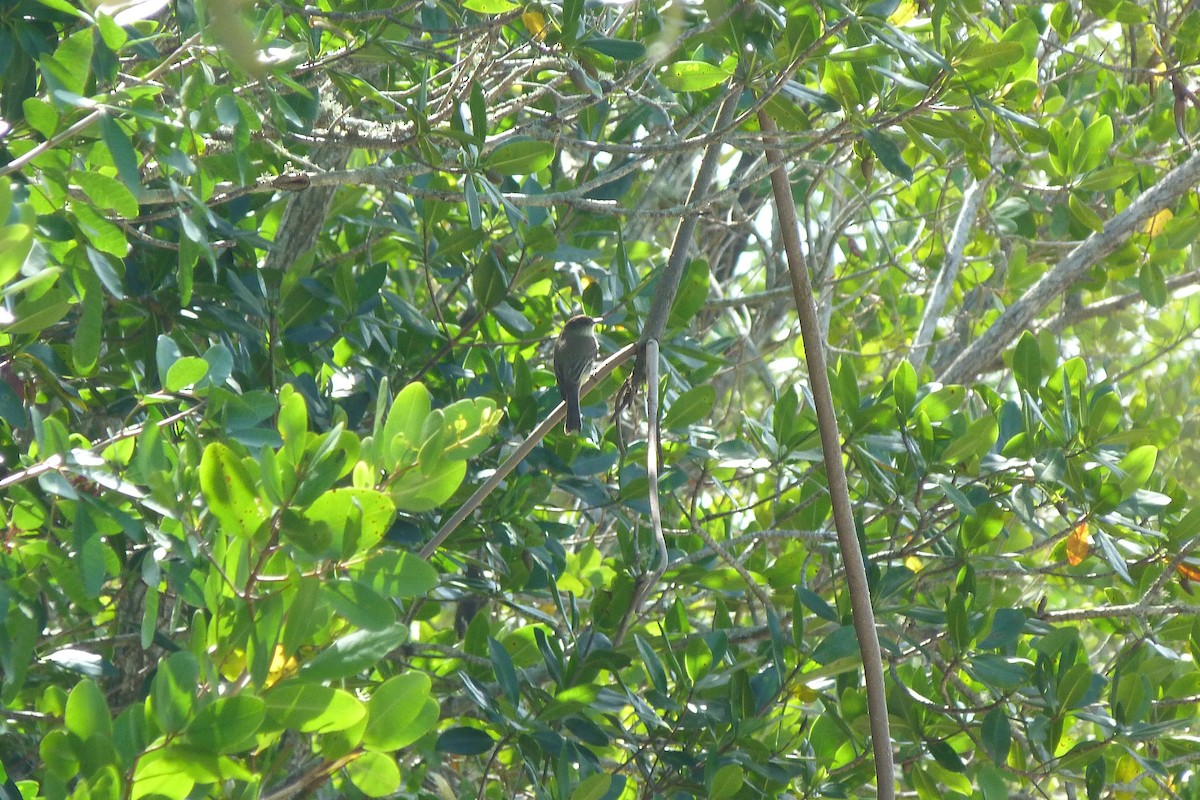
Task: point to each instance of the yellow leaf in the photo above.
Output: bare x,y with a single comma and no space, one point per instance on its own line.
535,23
903,13
1079,544
1154,226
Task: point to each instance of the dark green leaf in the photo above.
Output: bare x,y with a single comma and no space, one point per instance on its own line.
464,742
616,49
888,154
353,653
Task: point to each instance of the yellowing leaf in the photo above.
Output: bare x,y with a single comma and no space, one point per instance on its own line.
694,76
1079,544
1155,225
535,23
903,13
490,6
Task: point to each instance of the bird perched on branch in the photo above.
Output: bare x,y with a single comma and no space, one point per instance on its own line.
574,353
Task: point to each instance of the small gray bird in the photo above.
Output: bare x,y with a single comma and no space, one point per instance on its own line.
574,353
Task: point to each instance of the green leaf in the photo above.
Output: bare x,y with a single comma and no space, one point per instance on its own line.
122,152
417,492
228,724
691,296
939,404
616,49
159,776
401,575
1152,284
842,643
727,782
311,708
888,154
353,653
467,427
1027,363
1007,626
1083,213
697,659
1000,672
372,511
489,283
478,106
87,712
978,439
652,664
293,424
694,76
463,741
15,243
1137,466
520,156
816,604
172,695
904,387
42,117
1074,686
399,712
359,604
593,787
506,674
375,774
85,347
401,434
184,373
996,735
490,6
104,235
229,491
1093,148
690,407
107,193
71,64
991,55
946,756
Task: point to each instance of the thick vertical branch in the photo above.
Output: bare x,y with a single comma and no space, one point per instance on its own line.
831,448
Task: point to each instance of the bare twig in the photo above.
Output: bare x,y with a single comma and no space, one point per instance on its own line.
972,199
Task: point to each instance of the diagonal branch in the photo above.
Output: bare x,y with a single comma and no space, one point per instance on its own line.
948,274
1017,317
668,282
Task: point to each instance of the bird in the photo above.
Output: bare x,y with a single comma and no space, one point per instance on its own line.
574,353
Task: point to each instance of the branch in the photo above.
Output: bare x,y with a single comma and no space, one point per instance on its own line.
972,199
1018,317
835,473
1111,305
668,282
538,433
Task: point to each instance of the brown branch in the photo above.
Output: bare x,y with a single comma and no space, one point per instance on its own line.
538,433
835,473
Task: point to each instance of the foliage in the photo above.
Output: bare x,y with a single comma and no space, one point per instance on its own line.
277,287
